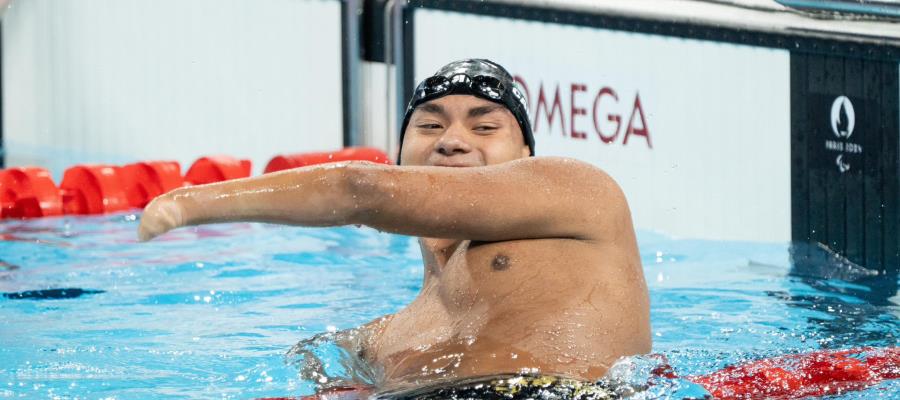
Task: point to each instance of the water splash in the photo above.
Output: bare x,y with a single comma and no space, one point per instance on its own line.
333,360
649,377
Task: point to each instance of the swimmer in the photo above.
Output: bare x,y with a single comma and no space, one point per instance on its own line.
531,263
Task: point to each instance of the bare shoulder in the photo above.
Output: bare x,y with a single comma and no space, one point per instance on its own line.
587,190
570,170
561,175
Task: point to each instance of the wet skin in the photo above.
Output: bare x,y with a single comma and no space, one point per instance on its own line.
531,263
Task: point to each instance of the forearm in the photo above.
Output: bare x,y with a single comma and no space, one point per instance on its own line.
314,196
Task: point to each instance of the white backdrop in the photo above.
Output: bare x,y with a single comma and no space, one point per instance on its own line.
715,158
123,80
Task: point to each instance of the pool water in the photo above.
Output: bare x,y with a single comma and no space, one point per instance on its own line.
211,312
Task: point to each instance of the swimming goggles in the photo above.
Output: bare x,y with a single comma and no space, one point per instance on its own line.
487,87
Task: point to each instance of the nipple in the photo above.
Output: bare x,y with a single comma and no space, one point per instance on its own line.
501,262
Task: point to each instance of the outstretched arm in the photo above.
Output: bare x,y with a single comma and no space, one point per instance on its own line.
521,199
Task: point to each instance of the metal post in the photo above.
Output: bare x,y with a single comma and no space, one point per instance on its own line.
353,135
2,149
395,53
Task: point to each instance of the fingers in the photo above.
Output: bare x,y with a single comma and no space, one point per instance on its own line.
160,216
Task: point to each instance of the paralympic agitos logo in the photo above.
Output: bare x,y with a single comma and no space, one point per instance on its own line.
600,108
842,118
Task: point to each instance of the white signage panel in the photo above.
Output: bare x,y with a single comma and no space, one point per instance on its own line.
697,133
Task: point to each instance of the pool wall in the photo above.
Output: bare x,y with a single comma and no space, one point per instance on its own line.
720,122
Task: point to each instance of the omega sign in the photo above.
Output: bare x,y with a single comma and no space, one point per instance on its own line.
843,123
612,118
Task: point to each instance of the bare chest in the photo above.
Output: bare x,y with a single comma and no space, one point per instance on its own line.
468,284
471,277
516,297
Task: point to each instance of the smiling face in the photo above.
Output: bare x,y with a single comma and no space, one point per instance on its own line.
462,131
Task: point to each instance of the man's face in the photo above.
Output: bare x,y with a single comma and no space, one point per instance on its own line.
462,131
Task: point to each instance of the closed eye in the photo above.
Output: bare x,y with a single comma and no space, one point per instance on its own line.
428,126
485,128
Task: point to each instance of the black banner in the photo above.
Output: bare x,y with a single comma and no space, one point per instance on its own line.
845,166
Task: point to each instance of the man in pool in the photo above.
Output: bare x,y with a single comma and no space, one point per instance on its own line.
531,263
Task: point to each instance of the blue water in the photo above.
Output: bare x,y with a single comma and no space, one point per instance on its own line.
211,312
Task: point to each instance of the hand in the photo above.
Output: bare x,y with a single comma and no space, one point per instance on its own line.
160,216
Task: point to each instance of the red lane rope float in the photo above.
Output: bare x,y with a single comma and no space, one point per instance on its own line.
283,162
820,373
216,169
93,189
86,189
796,376
145,180
28,192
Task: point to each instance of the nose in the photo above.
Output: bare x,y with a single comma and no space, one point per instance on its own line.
453,142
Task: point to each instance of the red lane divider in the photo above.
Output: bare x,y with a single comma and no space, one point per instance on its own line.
795,376
216,169
93,189
820,373
144,181
283,162
29,192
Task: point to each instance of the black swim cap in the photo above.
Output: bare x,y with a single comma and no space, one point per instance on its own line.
477,77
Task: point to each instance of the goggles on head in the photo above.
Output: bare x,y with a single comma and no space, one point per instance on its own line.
483,86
